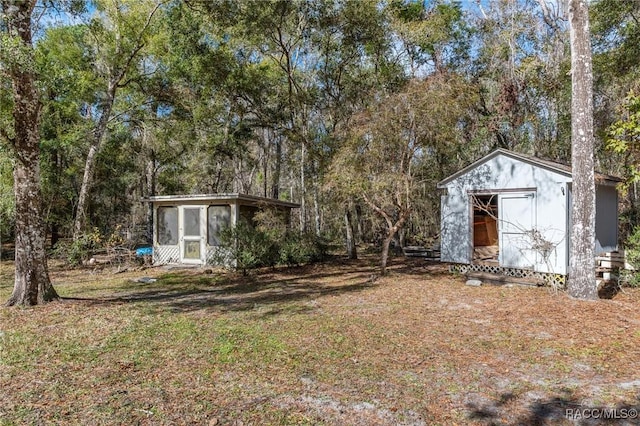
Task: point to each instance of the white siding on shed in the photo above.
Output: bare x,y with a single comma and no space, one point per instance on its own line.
512,179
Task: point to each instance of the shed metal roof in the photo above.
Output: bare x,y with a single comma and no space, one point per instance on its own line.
248,199
563,169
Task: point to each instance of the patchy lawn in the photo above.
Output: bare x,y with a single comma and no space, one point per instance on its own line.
326,344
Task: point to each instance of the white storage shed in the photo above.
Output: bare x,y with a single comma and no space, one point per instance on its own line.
509,210
186,228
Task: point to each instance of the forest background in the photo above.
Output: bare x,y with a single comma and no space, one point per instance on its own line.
354,109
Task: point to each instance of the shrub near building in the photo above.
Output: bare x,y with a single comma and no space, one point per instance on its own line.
632,257
268,242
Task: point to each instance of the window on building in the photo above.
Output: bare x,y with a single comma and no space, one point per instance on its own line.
218,218
167,229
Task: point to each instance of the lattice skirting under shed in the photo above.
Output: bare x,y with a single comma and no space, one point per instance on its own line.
553,280
166,254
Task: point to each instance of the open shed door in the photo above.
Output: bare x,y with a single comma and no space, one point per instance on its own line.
517,213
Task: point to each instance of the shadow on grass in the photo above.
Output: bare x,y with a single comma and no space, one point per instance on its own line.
417,266
609,289
277,289
562,409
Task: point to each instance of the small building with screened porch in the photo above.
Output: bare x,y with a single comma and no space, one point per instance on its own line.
186,228
509,213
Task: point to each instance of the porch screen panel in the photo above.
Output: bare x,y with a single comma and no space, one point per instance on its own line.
218,218
191,222
167,229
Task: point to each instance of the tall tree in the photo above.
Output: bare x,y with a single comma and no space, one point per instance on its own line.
68,84
316,55
432,36
381,164
32,285
120,30
615,28
582,282
508,42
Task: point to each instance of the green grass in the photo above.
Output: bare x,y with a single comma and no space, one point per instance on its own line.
308,346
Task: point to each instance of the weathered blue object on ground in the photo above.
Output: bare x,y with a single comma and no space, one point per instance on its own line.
144,251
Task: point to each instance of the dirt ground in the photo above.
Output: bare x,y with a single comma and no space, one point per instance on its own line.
324,344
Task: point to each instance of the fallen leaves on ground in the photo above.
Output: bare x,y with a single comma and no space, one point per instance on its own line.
332,343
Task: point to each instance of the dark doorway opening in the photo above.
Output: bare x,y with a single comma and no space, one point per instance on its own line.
485,229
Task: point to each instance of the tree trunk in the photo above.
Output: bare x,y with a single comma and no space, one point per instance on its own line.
392,228
359,236
151,191
316,211
303,192
393,231
275,185
582,278
55,234
351,244
385,253
237,175
90,162
31,285
266,148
